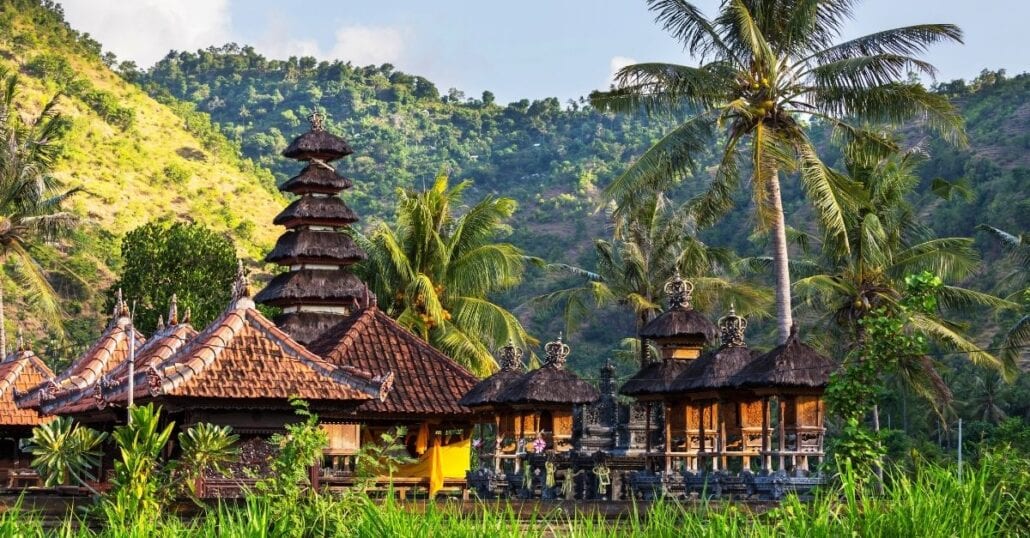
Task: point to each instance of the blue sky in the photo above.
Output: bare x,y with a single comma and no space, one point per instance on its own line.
534,48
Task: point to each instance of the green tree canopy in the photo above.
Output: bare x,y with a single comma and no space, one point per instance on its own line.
435,269
187,260
765,66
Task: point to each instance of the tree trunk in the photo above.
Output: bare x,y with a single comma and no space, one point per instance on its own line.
780,257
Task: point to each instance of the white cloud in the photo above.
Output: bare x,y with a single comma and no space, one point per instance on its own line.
145,30
617,63
364,45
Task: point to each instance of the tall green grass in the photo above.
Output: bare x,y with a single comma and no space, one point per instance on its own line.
991,499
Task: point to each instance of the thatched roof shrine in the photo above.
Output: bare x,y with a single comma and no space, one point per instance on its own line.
793,364
487,391
551,385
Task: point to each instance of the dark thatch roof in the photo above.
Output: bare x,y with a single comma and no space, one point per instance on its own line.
549,385
679,322
311,246
313,286
793,364
317,144
427,383
714,370
487,391
316,177
318,211
306,327
655,378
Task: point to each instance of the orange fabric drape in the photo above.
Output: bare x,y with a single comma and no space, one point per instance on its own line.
422,441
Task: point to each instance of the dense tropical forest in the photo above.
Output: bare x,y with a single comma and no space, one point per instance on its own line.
197,137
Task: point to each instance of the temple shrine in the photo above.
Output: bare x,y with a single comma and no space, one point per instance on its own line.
705,415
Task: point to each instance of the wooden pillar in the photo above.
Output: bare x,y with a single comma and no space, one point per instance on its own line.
647,436
766,445
701,437
722,434
668,438
780,427
316,474
498,442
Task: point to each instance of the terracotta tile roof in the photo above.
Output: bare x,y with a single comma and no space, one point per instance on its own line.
110,350
113,386
20,371
428,383
243,355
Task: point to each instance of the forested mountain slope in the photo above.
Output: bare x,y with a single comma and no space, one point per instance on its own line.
134,157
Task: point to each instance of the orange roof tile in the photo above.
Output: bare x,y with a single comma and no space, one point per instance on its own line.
428,383
113,386
20,372
111,349
243,355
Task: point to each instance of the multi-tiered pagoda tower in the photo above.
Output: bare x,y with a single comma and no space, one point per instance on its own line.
318,290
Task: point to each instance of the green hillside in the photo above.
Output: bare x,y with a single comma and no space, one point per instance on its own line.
134,157
201,141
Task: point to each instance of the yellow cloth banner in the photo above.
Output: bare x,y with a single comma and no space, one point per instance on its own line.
435,468
450,461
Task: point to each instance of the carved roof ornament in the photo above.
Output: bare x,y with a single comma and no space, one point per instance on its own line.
317,121
557,352
241,293
160,322
679,292
20,339
731,327
173,310
511,357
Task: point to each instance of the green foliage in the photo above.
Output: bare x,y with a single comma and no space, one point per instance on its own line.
31,211
56,69
287,488
435,271
63,450
176,174
137,488
204,447
382,458
190,261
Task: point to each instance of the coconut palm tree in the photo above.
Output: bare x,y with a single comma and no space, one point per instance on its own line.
435,270
765,66
649,246
30,204
887,244
1017,247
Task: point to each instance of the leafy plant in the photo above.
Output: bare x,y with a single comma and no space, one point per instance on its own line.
205,447
64,449
385,457
138,485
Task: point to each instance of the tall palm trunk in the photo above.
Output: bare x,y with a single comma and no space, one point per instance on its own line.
780,257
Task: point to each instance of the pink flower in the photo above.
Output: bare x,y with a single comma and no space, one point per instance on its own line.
539,445
476,443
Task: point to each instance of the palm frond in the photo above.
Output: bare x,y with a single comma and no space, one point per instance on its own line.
950,338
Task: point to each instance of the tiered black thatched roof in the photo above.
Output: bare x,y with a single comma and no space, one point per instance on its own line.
680,320
313,286
311,246
550,385
316,211
314,300
486,392
793,364
316,178
317,144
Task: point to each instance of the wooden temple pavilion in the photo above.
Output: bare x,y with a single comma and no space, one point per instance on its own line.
533,420
680,333
20,371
